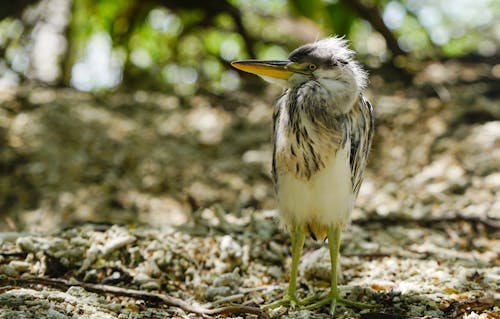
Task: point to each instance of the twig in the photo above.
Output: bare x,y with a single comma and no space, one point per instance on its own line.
6,288
488,222
20,254
237,310
227,299
368,255
138,294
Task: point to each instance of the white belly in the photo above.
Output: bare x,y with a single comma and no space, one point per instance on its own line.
324,200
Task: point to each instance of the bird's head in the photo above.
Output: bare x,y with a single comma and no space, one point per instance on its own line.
329,62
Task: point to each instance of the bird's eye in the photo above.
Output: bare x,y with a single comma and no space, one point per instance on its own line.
312,67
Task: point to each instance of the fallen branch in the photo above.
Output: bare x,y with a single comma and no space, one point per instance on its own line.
391,220
133,293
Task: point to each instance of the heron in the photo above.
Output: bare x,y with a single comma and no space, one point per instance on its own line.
322,133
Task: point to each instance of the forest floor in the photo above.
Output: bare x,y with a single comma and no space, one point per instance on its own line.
147,205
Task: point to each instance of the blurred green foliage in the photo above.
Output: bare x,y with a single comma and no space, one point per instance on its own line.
186,46
331,15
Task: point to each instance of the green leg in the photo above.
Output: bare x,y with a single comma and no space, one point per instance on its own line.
334,247
333,297
298,236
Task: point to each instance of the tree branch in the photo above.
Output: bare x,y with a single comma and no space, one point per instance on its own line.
372,15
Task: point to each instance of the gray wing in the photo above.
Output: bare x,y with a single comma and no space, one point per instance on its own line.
361,140
276,115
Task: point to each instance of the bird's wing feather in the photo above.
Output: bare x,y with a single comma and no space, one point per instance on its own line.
276,114
361,139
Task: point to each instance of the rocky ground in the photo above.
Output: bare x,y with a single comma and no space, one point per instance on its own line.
147,205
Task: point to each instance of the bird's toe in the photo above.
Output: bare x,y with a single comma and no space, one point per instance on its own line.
288,301
332,301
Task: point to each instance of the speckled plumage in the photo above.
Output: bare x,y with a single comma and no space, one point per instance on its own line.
323,129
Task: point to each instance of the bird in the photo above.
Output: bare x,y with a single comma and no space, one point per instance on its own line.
323,127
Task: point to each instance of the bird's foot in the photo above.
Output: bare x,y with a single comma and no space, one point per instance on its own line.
288,300
333,300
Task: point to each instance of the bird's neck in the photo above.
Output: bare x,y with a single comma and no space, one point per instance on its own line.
326,98
338,94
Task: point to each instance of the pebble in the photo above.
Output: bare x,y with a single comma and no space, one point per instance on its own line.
230,249
151,285
8,271
275,271
212,292
117,243
54,314
141,278
231,279
20,266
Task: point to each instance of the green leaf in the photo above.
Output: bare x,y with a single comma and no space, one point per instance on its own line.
339,19
308,8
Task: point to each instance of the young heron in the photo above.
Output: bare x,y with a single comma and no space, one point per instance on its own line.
323,128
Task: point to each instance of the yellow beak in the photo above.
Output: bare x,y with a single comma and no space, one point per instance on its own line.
273,68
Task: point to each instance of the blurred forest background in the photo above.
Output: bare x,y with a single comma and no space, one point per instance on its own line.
184,46
111,109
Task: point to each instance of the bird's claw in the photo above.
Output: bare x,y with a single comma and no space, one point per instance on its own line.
334,300
291,301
